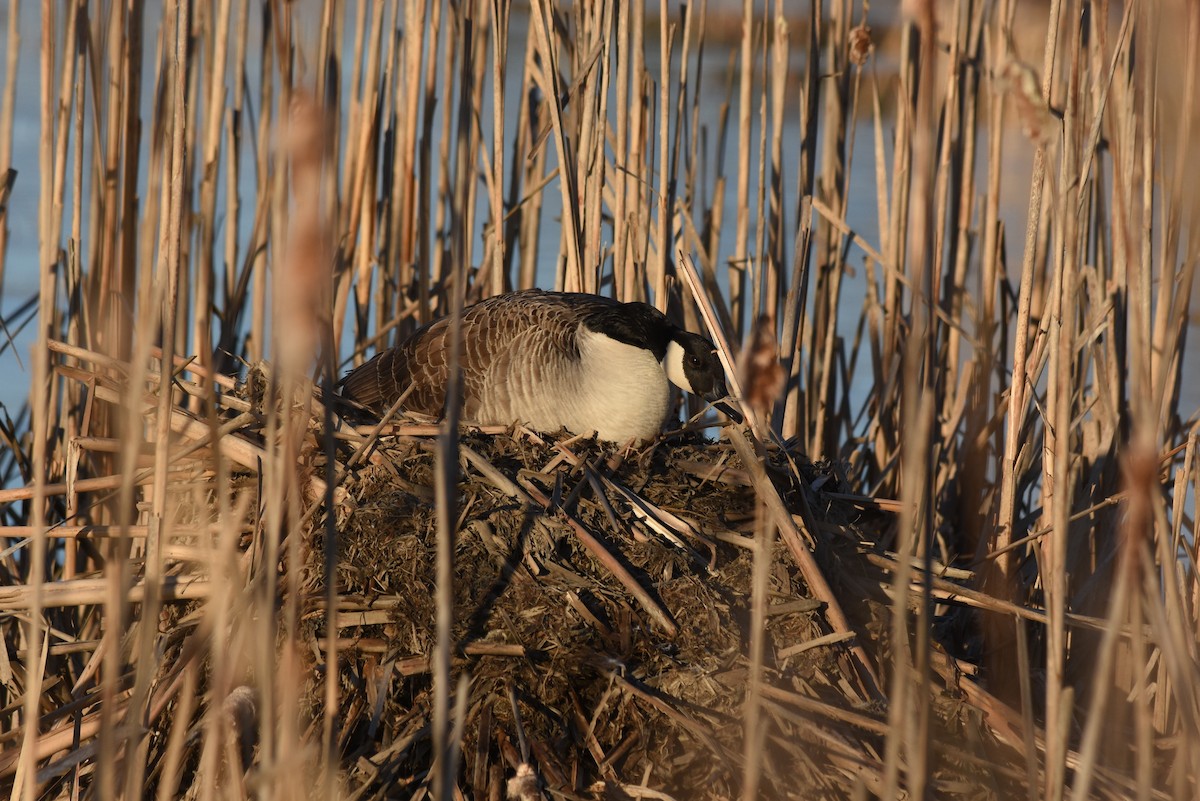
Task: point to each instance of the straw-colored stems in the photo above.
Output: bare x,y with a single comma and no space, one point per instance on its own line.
737,267
7,103
764,552
546,77
214,119
499,248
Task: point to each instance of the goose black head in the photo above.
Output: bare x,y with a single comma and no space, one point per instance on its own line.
692,364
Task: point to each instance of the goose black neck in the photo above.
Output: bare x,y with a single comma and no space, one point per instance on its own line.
637,324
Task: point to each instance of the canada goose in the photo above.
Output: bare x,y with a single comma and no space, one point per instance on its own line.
549,360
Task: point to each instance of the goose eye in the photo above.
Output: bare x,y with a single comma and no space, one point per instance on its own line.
694,361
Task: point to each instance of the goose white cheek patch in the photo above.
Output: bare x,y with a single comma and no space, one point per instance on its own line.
673,366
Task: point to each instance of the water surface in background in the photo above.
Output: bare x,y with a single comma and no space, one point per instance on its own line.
21,278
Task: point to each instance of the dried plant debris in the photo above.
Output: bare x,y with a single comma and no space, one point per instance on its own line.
600,630
567,669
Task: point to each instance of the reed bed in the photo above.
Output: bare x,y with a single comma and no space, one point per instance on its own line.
951,553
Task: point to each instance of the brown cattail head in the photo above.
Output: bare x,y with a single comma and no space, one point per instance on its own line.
1139,469
305,275
861,45
762,375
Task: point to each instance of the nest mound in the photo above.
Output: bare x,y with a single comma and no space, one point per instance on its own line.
601,621
605,683
603,614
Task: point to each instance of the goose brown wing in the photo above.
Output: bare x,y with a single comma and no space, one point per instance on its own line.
365,384
512,345
419,362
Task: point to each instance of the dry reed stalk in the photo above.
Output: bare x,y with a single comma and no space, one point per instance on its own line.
546,78
978,440
91,592
25,786
500,11
367,294
1119,606
831,188
161,306
637,215
435,253
772,220
1018,386
692,210
792,422
1181,206
757,267
909,711
762,382
78,324
444,767
792,531
1053,564
737,267
303,329
214,120
258,340
7,106
357,214
528,174
893,238
589,106
235,284
623,275
955,193
659,259
474,162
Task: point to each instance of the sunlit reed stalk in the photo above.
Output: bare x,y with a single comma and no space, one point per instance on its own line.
25,785
762,381
738,264
792,339
169,271
500,18
8,99
830,187
1055,568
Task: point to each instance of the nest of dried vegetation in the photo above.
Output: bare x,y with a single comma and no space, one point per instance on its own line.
603,689
602,630
602,625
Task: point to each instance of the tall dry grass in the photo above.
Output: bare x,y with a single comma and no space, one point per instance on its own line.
1014,395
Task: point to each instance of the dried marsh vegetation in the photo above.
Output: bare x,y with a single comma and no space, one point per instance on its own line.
951,553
